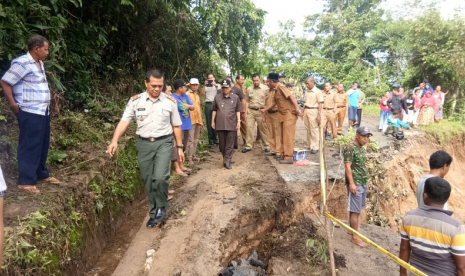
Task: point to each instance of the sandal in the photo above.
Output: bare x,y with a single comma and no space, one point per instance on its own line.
170,192
186,170
51,180
29,189
170,197
182,174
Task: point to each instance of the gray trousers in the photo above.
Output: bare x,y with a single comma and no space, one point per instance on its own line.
226,139
154,163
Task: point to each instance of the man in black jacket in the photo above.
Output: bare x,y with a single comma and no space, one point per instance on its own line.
397,100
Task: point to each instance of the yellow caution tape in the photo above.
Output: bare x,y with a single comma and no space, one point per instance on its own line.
382,250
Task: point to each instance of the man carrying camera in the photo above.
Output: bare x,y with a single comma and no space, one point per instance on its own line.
209,89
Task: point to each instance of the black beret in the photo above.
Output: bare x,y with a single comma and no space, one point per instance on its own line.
226,83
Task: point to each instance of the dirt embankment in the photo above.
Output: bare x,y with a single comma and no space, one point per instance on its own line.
62,230
408,166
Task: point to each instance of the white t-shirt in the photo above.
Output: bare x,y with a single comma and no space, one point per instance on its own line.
2,181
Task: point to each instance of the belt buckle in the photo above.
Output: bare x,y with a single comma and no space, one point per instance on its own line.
151,139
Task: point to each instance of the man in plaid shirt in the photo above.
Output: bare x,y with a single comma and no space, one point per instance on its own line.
26,90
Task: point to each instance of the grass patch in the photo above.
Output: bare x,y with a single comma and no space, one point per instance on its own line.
371,109
445,131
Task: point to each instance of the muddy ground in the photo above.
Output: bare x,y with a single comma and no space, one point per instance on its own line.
218,216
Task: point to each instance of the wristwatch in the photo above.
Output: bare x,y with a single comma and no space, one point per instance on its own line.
180,147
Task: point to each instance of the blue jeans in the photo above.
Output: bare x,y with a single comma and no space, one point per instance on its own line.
34,140
383,118
359,116
352,113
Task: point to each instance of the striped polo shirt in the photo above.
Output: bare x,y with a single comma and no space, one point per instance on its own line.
29,83
435,237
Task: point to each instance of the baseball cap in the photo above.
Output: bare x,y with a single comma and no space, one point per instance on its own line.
364,131
265,78
410,92
194,81
178,84
226,83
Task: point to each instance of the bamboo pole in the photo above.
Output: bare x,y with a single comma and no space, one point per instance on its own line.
323,200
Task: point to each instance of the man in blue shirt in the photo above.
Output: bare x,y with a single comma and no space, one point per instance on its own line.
26,90
353,102
184,104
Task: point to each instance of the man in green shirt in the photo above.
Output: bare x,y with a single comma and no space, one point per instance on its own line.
356,178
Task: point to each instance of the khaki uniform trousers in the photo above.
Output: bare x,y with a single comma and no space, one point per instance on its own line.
252,117
313,134
329,116
288,135
194,135
274,132
243,128
340,116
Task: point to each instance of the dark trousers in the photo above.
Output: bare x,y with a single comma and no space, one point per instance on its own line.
359,116
212,138
34,141
154,164
226,140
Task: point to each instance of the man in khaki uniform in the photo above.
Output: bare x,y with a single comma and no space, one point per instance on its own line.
329,105
255,98
311,114
288,114
157,120
273,126
342,104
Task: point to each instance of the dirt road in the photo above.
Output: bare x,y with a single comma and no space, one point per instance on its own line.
219,215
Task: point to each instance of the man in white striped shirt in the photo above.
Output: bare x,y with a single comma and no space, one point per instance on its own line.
26,90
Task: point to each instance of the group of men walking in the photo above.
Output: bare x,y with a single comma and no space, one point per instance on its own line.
169,124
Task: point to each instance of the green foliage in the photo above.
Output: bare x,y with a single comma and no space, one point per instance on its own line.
445,132
354,41
55,157
318,248
37,241
371,109
115,41
52,237
234,30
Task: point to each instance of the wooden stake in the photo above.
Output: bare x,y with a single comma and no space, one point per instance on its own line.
323,198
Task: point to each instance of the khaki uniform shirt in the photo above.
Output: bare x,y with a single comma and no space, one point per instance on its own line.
329,99
341,99
361,100
155,118
255,96
226,109
285,106
313,97
269,99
